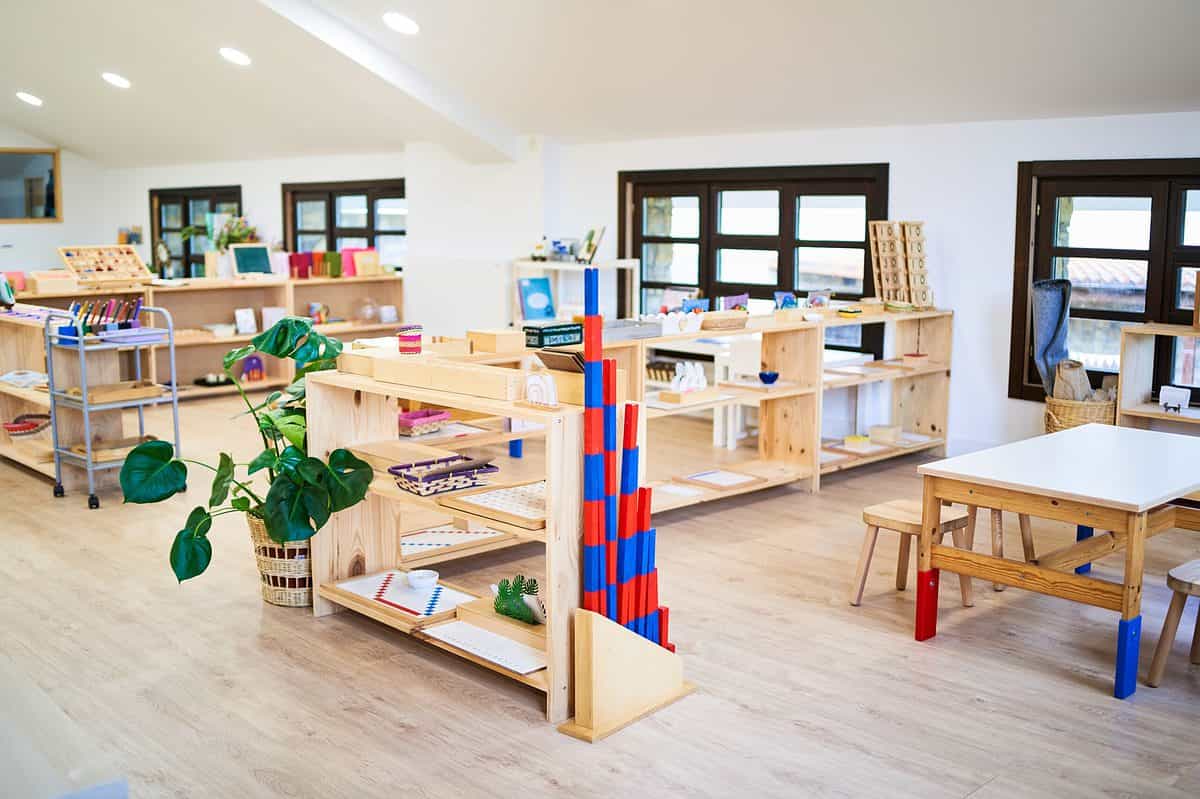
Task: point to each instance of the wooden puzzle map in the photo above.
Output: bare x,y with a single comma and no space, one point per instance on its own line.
486,644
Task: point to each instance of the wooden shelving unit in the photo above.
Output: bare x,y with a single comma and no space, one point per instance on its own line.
346,410
205,301
1135,382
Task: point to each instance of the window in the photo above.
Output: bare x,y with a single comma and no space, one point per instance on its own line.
1127,235
333,216
720,232
173,210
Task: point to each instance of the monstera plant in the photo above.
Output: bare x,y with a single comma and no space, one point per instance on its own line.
302,491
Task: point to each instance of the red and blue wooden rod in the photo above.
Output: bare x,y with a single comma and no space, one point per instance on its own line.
610,487
627,516
638,612
594,554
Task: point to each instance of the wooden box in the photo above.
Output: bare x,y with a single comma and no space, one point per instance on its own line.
119,392
52,281
689,397
476,380
569,386
888,434
498,340
446,345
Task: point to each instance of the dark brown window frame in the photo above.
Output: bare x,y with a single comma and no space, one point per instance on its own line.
1166,256
868,179
184,196
389,188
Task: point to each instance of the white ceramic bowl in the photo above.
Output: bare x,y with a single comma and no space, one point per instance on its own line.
422,578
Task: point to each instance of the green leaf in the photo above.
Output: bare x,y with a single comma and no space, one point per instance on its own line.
240,503
264,460
313,470
192,551
151,473
289,461
317,347
293,427
233,356
288,509
348,479
221,481
319,365
283,338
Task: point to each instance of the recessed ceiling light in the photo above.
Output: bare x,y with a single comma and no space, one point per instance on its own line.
26,97
401,24
116,80
235,56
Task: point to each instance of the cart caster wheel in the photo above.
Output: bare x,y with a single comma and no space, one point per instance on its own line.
58,491
93,502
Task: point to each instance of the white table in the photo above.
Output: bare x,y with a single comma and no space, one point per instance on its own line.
1118,479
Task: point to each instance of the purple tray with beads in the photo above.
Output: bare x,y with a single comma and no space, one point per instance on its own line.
426,478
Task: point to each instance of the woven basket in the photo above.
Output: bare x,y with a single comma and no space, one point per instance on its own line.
285,569
1064,414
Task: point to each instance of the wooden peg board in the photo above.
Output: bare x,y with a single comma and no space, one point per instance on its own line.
106,266
522,504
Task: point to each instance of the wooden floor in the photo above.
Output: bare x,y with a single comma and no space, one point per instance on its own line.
201,690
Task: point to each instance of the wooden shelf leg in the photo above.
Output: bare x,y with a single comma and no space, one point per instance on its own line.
1081,533
1165,641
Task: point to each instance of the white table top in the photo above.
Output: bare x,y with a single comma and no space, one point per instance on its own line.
1114,467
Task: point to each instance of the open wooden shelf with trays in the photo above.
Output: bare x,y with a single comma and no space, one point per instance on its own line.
358,412
205,301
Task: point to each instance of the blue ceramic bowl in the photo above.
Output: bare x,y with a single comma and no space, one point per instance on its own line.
768,377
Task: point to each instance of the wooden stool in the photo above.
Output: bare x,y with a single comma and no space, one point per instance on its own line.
1184,581
904,516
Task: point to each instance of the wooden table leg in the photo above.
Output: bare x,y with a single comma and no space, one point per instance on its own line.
1082,533
1026,537
927,576
1129,631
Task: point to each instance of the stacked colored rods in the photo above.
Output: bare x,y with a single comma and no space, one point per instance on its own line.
619,571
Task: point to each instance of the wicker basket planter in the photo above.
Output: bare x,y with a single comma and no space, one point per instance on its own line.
1063,414
285,569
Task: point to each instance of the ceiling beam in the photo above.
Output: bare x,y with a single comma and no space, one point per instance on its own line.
478,139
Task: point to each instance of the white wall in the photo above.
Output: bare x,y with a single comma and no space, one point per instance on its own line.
960,179
35,244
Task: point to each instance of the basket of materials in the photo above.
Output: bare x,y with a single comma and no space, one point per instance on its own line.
420,422
425,478
285,569
27,424
1062,414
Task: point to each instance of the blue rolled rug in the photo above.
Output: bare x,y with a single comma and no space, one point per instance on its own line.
1051,303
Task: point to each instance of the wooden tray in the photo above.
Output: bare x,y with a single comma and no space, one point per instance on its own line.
119,392
107,451
689,397
522,512
724,320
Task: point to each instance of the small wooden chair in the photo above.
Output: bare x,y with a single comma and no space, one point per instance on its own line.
904,516
1184,581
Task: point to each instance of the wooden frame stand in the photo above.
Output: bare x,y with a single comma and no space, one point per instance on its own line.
620,677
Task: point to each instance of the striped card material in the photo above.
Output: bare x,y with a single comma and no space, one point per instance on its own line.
391,588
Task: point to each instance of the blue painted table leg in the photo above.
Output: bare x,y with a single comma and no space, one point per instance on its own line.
516,448
1129,642
1081,533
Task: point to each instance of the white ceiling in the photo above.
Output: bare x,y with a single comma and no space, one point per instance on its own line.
578,70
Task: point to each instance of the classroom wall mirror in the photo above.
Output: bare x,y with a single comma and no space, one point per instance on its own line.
30,186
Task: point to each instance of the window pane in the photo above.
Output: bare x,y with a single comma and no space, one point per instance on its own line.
227,207
1185,292
351,241
196,211
671,263
174,243
677,217
172,215
310,215
1184,371
1096,342
1104,222
748,213
307,242
393,250
391,213
652,300
832,217
836,268
1191,218
1104,284
198,244
351,210
759,267
174,268
847,336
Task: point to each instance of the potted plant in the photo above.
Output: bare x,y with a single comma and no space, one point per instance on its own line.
302,491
